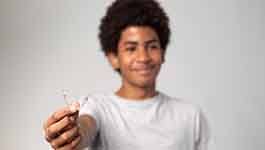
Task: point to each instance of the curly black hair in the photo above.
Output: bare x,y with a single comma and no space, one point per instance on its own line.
124,13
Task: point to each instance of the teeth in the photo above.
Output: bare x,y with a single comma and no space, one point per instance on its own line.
146,69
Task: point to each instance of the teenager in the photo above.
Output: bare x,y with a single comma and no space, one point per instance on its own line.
134,35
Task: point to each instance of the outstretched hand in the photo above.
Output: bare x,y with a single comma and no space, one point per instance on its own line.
61,128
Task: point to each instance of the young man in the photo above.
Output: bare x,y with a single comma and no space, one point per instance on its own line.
134,36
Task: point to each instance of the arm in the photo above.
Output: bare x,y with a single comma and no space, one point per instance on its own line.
87,130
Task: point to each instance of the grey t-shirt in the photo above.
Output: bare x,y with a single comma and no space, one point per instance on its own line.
157,123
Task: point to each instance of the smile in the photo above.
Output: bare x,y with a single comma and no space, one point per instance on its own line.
144,71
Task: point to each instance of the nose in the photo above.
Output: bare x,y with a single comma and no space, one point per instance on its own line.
143,55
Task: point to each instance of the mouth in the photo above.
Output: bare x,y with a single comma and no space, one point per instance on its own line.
145,70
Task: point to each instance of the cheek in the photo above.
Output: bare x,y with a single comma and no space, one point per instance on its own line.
125,62
157,57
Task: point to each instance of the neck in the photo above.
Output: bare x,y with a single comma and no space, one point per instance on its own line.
136,93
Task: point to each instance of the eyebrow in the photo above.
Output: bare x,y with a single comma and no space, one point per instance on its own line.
151,41
135,43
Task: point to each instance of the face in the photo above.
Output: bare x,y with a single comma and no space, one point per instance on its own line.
139,56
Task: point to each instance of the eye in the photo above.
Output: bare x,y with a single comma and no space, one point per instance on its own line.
130,49
154,46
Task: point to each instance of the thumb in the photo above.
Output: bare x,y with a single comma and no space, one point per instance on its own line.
75,106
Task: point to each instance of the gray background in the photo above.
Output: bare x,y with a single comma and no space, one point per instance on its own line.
216,60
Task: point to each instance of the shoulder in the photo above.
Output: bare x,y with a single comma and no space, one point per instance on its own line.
180,105
95,98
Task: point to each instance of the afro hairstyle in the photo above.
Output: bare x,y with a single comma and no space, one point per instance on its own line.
125,13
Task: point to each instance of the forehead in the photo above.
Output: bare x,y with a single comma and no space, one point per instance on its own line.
138,34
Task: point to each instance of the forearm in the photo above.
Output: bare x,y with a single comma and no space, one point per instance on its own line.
87,130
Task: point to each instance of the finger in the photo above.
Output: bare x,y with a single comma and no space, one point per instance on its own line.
65,138
55,129
58,115
75,142
68,127
71,146
72,118
75,106
48,139
75,115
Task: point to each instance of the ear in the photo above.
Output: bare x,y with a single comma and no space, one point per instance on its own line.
113,60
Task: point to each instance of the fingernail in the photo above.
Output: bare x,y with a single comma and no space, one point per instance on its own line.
72,119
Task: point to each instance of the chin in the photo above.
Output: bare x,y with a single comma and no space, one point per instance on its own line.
146,84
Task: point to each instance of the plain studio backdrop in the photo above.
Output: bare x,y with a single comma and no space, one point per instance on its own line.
216,59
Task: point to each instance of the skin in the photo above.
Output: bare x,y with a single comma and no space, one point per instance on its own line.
139,59
61,130
64,130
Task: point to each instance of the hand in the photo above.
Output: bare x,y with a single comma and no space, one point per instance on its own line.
61,128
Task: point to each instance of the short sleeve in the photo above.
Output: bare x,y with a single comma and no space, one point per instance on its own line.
202,131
